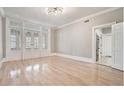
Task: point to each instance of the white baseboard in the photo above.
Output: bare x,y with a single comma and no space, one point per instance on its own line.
84,59
9,59
53,54
3,60
120,67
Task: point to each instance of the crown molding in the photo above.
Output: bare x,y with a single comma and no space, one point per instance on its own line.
90,16
14,16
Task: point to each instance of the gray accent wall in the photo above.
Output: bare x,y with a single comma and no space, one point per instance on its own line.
76,39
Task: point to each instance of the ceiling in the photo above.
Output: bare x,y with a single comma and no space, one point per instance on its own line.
38,14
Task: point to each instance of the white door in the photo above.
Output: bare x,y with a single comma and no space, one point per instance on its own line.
36,49
117,43
31,44
107,45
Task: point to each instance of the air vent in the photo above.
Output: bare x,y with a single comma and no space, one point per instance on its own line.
86,21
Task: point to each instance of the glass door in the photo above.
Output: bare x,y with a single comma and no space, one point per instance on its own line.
13,43
36,49
32,44
28,44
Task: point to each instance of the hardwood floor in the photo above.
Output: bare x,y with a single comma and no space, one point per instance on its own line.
58,71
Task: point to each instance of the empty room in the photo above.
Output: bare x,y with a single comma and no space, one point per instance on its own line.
61,46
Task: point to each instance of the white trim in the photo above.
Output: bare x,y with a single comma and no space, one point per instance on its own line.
87,17
84,59
10,59
53,54
3,60
118,67
94,38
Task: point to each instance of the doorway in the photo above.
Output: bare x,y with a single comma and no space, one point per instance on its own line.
102,47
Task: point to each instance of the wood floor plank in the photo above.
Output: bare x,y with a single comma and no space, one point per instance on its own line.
50,71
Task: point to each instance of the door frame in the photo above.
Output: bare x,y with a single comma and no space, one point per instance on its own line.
94,38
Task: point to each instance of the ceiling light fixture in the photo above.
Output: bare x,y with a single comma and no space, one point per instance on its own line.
54,10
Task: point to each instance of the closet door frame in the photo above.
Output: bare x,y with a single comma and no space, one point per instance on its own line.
94,39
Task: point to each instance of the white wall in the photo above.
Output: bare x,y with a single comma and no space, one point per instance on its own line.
76,39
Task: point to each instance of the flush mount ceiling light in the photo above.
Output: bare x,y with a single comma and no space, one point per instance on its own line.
54,10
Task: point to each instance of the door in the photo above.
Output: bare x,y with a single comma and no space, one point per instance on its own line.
107,45
31,44
12,40
107,50
117,43
27,44
103,47
13,43
36,42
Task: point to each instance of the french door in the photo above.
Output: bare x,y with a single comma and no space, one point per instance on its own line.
25,40
32,44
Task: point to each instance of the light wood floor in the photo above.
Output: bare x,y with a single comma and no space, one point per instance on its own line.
58,71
